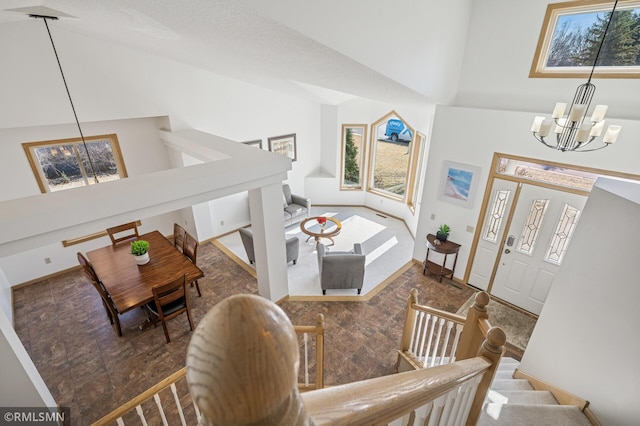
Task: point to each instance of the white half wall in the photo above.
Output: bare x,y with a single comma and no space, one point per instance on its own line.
6,297
585,340
21,384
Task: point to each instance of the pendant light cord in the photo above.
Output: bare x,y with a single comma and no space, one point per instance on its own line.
604,35
64,80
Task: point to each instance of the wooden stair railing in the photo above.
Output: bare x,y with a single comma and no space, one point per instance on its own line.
433,337
169,401
242,369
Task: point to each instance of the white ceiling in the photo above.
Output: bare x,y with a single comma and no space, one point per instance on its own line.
408,51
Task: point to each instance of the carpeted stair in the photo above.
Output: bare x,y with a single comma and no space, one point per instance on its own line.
515,402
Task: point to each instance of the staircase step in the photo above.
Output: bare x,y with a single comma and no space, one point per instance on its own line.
532,415
521,397
508,364
503,374
511,384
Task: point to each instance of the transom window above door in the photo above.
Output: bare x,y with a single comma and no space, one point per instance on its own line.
70,163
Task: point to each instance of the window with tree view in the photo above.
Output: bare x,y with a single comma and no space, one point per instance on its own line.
353,147
71,163
390,158
571,37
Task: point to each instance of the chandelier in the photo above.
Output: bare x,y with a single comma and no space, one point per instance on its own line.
574,132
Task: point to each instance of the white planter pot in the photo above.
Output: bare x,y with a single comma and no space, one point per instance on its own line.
142,259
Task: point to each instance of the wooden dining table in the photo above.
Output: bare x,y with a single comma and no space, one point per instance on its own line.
130,284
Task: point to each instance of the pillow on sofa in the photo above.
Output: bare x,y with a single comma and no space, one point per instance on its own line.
284,199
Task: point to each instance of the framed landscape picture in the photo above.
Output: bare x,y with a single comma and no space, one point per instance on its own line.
284,145
458,183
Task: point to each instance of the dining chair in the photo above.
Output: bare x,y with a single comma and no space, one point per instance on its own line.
178,237
169,301
115,233
191,251
109,306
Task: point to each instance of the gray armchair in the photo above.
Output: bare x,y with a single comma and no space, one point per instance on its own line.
296,207
246,236
341,269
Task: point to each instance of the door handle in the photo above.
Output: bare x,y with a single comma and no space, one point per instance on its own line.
507,251
511,240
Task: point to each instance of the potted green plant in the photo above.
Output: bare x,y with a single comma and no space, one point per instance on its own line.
443,232
140,249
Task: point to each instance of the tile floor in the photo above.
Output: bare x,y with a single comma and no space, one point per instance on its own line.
88,368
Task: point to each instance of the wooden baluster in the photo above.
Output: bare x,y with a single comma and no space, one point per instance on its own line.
319,351
242,365
445,343
472,336
492,349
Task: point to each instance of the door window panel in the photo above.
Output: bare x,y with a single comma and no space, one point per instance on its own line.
532,226
562,235
496,215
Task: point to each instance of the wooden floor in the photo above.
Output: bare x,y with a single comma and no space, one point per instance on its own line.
88,368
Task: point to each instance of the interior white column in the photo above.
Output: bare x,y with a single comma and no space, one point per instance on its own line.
267,224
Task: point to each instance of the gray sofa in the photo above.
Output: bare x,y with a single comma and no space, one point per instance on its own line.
341,269
293,246
296,207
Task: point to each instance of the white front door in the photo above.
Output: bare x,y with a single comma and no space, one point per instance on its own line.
488,247
539,235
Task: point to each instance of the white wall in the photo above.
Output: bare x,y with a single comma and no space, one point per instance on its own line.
143,152
585,340
6,300
471,136
501,42
21,384
323,187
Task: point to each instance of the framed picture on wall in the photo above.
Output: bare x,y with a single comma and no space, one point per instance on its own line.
257,143
458,183
284,145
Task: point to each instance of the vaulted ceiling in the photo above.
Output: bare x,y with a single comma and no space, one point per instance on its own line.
405,51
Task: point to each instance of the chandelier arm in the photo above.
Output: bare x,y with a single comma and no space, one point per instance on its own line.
593,149
64,80
541,140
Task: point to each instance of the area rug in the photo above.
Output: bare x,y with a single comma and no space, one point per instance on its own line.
517,326
386,242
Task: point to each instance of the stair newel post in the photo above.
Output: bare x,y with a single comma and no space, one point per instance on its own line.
492,349
409,319
242,365
472,335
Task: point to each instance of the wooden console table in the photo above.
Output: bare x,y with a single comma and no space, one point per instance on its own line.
446,248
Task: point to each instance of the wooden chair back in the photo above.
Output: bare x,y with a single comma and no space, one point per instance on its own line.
178,237
115,233
191,247
191,251
171,299
109,306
